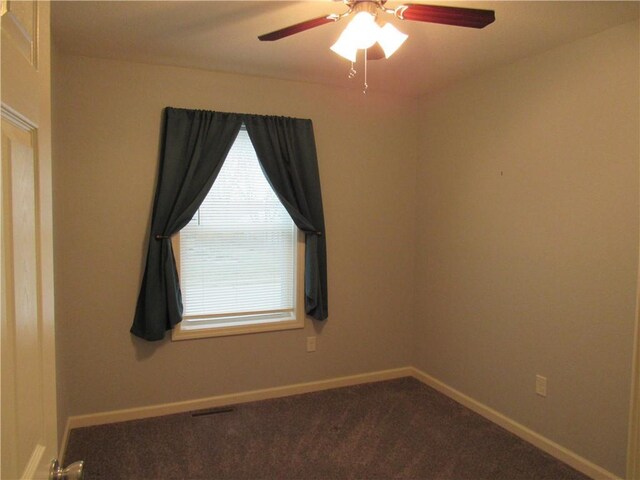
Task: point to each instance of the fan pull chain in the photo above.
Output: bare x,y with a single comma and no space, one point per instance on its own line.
352,71
366,85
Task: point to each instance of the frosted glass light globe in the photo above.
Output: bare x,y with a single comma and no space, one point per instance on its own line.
362,30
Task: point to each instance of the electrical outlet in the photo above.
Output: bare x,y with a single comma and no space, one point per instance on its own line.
311,344
541,385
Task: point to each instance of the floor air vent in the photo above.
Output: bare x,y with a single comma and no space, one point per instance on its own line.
213,411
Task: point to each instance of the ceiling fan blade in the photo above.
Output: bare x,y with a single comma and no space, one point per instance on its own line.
375,52
461,17
298,27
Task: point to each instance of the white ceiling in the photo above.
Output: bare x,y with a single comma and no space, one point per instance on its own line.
222,36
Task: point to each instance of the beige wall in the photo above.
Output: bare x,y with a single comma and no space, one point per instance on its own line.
528,240
107,123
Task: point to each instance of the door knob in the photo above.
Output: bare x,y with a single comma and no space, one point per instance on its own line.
75,471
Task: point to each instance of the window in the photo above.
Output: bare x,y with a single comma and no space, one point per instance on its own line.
241,256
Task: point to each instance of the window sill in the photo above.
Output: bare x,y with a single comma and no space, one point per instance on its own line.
234,328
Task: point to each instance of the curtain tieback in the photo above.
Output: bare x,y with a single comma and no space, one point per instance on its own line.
162,237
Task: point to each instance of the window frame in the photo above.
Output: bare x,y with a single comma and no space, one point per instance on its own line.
240,327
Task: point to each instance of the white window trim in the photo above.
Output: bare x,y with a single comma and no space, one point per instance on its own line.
241,327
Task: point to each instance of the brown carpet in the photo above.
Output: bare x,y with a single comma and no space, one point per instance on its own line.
397,429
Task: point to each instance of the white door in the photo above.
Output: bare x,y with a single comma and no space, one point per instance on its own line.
28,419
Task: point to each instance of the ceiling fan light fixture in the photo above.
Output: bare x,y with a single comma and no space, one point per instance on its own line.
363,31
390,39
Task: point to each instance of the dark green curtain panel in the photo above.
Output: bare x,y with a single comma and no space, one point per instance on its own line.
195,145
286,150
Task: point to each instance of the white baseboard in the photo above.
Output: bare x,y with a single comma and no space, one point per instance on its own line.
221,400
558,451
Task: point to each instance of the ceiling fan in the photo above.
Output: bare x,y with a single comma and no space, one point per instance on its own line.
381,44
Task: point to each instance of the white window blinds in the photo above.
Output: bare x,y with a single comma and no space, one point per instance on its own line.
238,253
